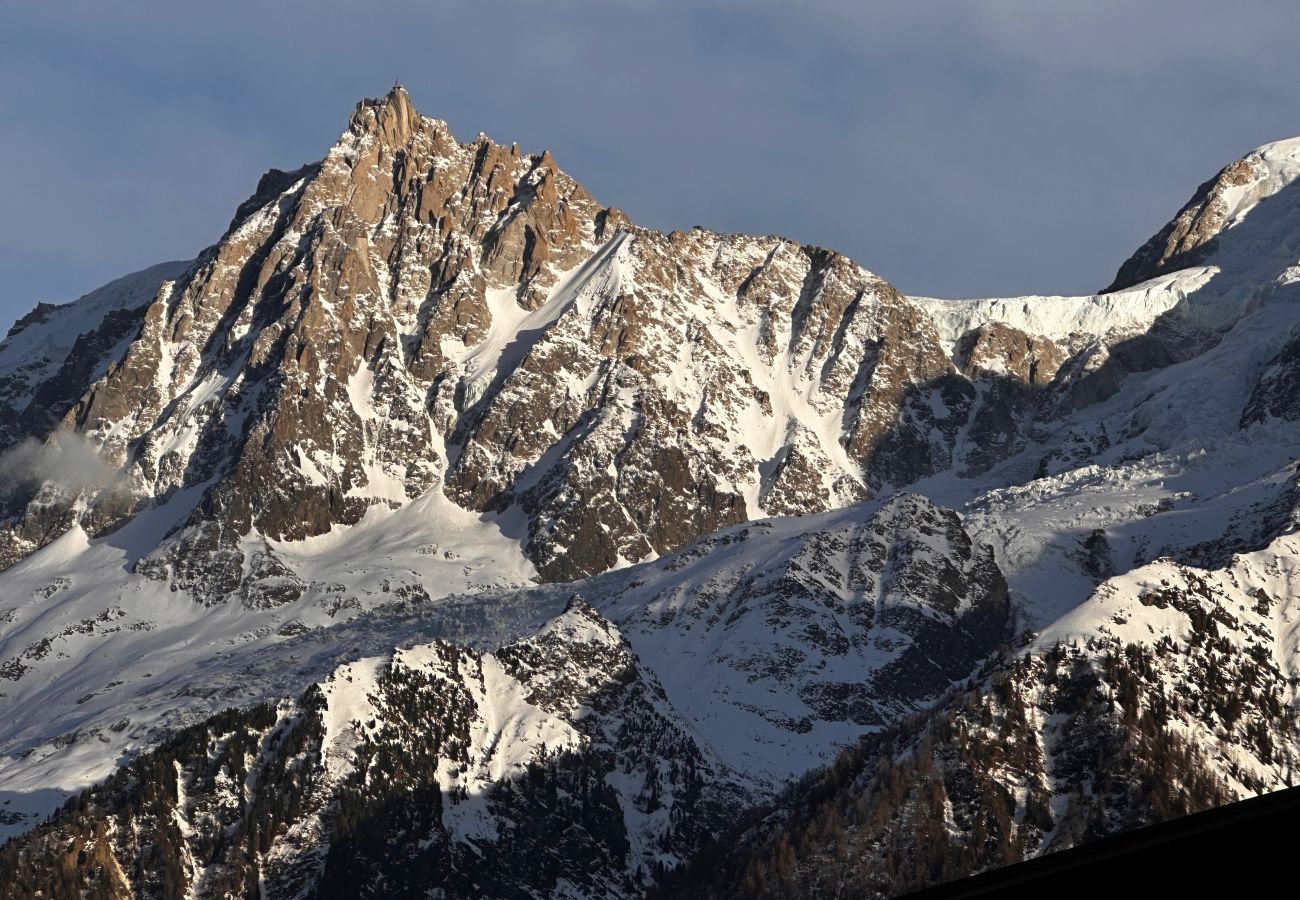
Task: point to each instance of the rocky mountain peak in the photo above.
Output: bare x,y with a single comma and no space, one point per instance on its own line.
413,314
392,118
1189,239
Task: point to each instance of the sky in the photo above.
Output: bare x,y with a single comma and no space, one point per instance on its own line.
958,148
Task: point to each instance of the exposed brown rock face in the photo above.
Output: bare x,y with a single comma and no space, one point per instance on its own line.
997,349
1187,239
413,314
1015,370
291,370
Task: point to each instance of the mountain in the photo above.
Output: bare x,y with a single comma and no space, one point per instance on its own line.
1171,691
412,312
466,763
554,758
441,523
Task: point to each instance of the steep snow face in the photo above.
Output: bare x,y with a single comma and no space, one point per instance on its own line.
1208,229
1273,168
782,640
1281,162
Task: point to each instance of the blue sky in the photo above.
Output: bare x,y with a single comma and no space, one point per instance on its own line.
976,148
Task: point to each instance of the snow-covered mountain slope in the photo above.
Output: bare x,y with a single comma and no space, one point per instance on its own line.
98,661
552,767
50,354
785,638
419,378
1209,220
561,766
1173,689
804,633
777,641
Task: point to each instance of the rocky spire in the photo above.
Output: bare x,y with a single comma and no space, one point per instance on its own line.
392,118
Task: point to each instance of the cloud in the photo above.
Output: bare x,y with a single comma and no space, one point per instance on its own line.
66,459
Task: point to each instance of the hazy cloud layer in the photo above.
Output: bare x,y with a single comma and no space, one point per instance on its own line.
66,459
957,148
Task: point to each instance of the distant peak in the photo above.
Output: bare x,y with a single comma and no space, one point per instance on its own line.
1190,238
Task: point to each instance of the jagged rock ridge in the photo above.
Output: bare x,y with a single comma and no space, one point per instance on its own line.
413,314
